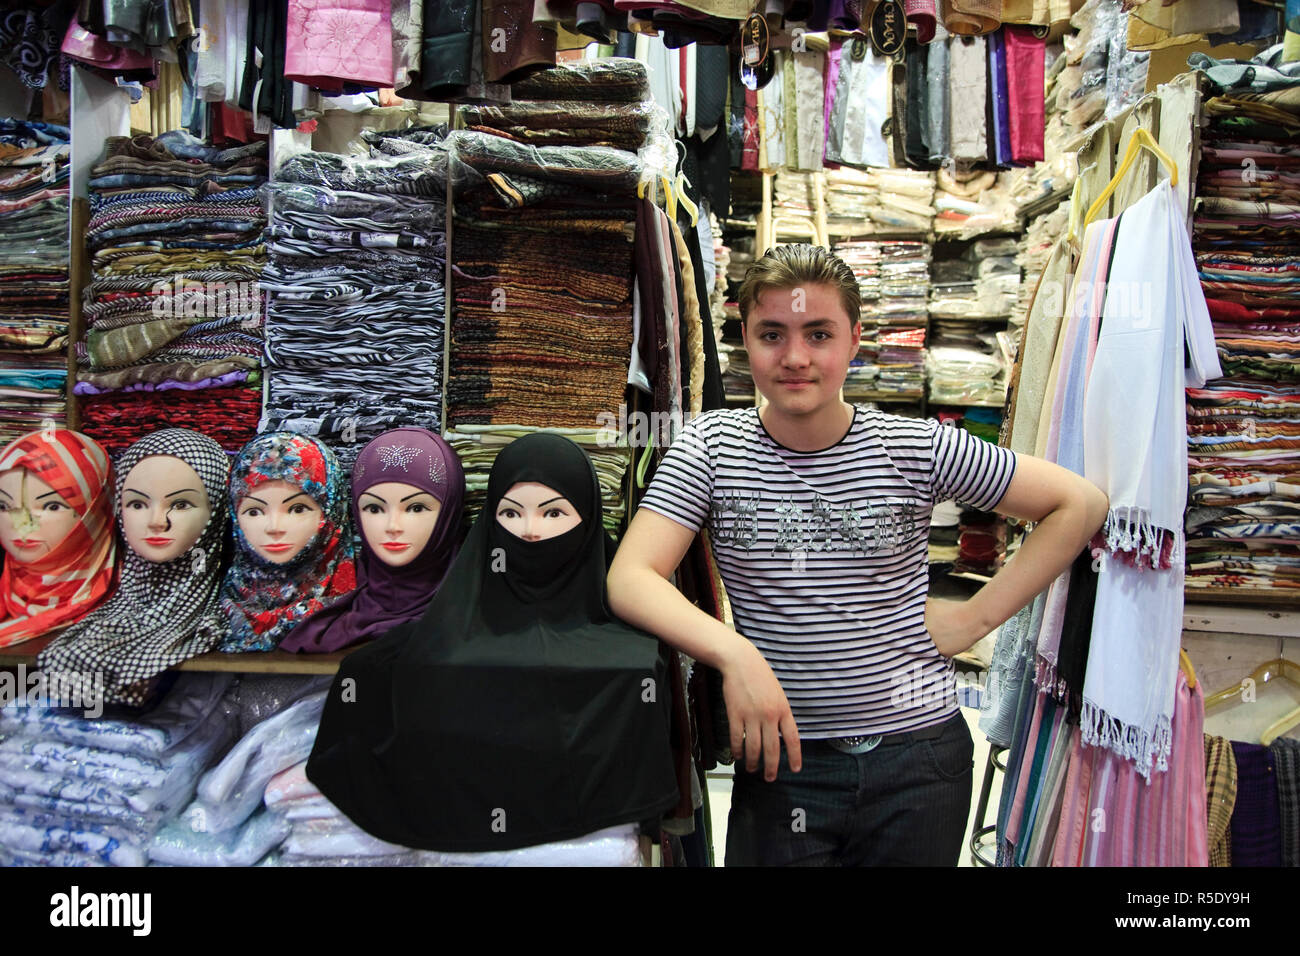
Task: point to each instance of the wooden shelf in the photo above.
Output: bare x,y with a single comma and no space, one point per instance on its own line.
272,662
941,404
1258,596
970,318
901,398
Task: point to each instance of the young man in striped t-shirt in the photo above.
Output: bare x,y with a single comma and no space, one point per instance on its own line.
838,677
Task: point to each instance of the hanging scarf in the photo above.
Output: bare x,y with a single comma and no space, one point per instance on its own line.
78,573
518,710
1135,449
387,596
261,600
163,612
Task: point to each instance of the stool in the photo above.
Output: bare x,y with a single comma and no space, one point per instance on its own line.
978,829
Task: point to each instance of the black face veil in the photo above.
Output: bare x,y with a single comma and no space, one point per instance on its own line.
517,710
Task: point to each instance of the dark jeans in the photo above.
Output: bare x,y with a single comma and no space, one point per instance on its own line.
901,804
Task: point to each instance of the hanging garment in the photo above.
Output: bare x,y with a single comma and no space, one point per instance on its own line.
163,612
967,99
1286,764
263,601
1220,798
936,96
447,53
1172,821
514,46
79,572
387,596
1024,66
264,91
1135,449
332,42
504,716
855,135
998,105
1256,827
808,70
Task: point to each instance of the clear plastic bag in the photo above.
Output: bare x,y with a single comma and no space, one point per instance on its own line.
179,845
180,713
230,792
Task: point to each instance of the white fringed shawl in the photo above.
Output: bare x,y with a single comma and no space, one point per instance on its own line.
1135,449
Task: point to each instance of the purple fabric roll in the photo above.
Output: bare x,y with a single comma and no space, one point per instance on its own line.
230,378
387,596
1256,824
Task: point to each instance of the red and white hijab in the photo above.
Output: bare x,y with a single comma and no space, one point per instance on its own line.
81,571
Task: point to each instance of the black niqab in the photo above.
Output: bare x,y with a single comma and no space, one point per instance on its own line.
518,710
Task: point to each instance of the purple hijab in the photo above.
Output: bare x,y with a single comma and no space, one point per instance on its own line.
387,596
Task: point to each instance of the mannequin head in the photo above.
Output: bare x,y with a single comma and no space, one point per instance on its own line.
535,512
397,521
164,508
278,520
34,518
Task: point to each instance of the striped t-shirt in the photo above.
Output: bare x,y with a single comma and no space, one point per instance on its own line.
824,555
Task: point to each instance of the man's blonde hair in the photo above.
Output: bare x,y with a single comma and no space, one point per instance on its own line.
800,264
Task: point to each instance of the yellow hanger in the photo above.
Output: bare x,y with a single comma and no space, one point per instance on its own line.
654,185
1271,670
1073,232
1141,139
1185,663
683,183
1288,722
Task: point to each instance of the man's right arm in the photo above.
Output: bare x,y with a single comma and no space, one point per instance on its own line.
641,593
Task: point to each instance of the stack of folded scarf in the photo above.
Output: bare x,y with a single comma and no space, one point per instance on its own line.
355,294
318,834
541,331
900,316
1243,430
174,311
478,446
33,276
794,201
82,791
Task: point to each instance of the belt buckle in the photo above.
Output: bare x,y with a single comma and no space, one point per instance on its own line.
856,745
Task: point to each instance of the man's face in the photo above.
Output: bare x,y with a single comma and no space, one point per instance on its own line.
800,344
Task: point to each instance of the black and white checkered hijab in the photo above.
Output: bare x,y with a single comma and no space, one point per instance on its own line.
163,612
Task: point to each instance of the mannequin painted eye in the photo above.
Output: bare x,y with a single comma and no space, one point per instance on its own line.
278,520
34,519
164,508
535,512
397,521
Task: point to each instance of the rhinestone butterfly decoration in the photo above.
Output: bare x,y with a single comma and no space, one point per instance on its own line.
397,456
437,472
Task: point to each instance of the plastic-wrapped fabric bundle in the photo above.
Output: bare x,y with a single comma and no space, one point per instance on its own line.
92,792
181,712
560,123
963,375
610,80
615,846
355,297
596,168
178,844
230,792
321,836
